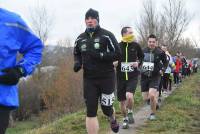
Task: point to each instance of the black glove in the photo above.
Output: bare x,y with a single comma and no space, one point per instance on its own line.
77,67
11,76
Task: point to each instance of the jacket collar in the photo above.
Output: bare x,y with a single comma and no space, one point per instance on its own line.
95,31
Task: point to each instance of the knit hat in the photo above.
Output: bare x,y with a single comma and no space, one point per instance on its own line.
92,13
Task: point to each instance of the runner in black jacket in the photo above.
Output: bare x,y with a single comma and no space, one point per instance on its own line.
127,73
155,63
95,50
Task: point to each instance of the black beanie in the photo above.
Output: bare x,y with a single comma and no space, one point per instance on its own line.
92,13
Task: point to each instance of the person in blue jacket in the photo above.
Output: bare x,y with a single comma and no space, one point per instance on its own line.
15,37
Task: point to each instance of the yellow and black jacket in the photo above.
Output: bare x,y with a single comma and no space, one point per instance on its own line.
131,52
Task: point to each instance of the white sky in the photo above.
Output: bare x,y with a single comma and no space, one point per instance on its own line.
69,14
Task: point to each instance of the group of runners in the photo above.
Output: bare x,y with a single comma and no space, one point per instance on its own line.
102,58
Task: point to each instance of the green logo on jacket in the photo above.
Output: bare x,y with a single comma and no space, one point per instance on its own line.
96,45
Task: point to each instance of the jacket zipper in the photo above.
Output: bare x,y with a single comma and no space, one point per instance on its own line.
126,73
150,60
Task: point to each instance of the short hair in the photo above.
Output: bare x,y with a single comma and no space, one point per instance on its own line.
124,30
152,36
164,45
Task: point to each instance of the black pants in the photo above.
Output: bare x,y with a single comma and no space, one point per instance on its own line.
99,89
4,119
160,86
176,78
149,82
165,81
170,84
124,86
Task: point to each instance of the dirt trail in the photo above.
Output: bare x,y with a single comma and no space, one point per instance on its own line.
140,118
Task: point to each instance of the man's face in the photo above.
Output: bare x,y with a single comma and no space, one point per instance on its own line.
129,32
91,22
152,43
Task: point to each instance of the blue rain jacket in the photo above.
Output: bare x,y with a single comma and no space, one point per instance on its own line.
16,36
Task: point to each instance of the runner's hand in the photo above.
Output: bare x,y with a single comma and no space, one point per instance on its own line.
161,72
77,67
135,64
11,76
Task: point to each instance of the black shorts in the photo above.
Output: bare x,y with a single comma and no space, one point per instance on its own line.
149,82
124,86
99,89
4,119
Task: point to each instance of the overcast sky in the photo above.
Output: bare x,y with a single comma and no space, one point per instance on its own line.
69,14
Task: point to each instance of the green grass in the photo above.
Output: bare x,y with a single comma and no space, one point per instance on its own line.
21,127
71,123
180,112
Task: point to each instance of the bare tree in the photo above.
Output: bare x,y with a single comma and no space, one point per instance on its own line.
150,22
187,47
42,24
41,21
196,39
168,26
65,43
65,49
176,19
195,42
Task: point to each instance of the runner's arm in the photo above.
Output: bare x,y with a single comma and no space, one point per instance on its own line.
114,50
140,55
77,57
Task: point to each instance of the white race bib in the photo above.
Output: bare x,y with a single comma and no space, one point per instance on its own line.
127,67
147,66
107,99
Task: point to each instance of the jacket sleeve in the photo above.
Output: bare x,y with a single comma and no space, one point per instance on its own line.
31,48
114,52
77,53
140,55
164,61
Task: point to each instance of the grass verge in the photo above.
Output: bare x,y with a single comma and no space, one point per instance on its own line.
71,123
180,112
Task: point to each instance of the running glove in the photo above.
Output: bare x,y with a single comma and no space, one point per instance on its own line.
77,67
11,76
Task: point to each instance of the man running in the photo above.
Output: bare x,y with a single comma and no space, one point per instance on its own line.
166,84
177,71
127,74
95,50
155,63
16,37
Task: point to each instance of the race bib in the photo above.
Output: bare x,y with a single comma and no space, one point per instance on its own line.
127,67
107,99
147,66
